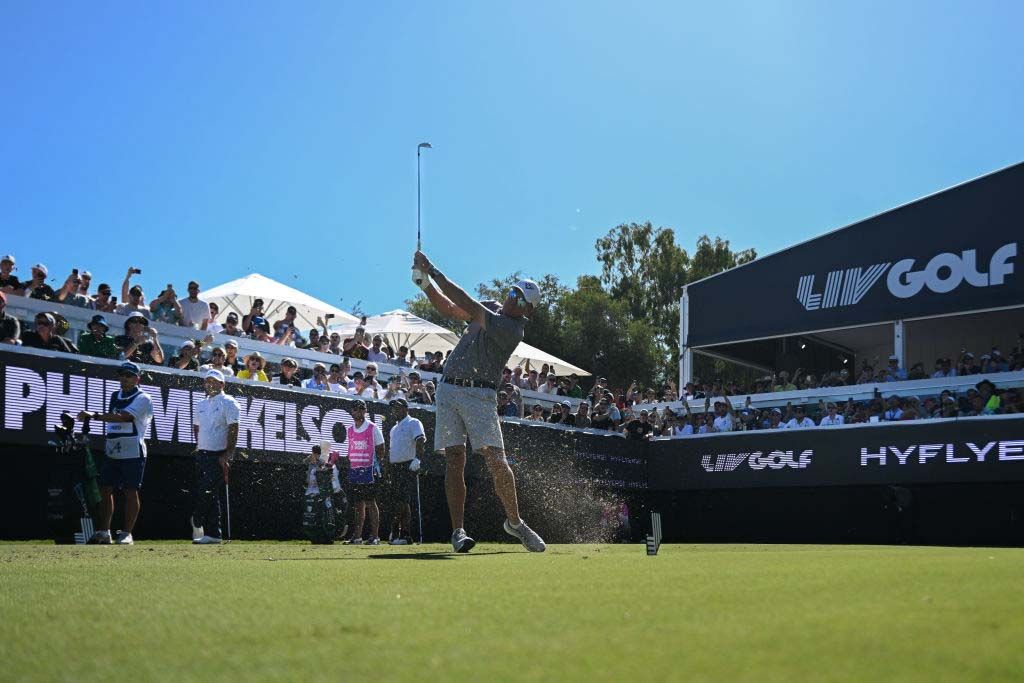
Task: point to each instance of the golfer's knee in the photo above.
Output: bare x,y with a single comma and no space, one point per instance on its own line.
494,457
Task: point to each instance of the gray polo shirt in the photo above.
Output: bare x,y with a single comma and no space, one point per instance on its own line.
482,353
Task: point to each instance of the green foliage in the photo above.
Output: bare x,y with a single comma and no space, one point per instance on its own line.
421,307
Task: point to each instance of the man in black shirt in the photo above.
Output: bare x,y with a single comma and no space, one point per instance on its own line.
140,343
8,282
288,372
45,336
37,288
639,428
186,358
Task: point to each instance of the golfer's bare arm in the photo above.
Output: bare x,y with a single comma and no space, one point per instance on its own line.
453,302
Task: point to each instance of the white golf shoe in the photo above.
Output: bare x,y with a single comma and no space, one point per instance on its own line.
207,540
527,536
461,543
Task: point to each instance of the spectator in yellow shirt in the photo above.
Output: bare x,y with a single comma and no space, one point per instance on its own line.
254,364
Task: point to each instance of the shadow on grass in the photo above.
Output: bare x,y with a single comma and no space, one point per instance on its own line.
388,556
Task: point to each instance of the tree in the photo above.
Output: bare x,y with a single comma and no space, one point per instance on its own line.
647,270
421,307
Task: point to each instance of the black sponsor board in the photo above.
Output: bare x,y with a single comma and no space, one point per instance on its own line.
958,250
923,452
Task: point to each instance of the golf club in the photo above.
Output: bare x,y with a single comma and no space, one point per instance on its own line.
419,506
419,241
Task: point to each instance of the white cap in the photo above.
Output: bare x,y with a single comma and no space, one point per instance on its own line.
40,266
215,374
8,257
530,290
894,357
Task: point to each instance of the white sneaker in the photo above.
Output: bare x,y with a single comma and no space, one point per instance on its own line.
461,543
527,536
398,541
124,538
373,540
99,538
354,541
207,540
197,531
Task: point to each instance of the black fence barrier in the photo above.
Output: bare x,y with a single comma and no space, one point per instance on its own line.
838,484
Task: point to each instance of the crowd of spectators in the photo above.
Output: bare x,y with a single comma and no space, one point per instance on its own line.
629,411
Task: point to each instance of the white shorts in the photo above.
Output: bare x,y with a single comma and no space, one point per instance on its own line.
466,411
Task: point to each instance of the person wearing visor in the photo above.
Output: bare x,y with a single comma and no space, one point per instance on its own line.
128,417
467,393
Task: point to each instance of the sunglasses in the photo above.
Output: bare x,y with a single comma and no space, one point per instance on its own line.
218,353
357,409
516,296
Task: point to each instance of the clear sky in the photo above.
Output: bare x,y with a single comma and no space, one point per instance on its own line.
208,140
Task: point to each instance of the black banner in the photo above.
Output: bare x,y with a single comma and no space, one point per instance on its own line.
958,250
279,424
923,452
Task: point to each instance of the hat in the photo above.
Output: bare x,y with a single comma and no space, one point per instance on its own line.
359,404
289,361
232,343
357,375
399,402
129,369
7,257
134,315
187,344
47,317
968,355
214,374
231,315
985,356
98,320
136,289
776,411
995,352
894,357
260,321
991,385
566,404
86,273
530,290
42,267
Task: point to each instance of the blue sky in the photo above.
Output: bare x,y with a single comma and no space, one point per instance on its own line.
210,140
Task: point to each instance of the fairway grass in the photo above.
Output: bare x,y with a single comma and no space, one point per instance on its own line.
581,612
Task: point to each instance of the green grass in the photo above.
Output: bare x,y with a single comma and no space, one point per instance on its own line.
585,612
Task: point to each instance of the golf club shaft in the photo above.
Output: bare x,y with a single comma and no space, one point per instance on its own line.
227,500
419,506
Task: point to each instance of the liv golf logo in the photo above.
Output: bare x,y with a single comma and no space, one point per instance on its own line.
944,273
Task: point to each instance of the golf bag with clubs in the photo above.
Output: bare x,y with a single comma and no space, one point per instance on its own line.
73,493
325,504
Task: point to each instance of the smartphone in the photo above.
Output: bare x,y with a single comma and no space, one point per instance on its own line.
74,271
113,299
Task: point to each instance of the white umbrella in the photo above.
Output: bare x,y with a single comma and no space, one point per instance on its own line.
239,294
402,328
524,352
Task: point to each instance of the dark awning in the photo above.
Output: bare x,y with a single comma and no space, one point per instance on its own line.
953,251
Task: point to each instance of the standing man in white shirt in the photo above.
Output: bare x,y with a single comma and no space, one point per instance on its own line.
376,354
407,440
128,417
723,415
194,311
801,421
832,418
216,434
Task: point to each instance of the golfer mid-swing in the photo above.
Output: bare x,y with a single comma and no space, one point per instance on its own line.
467,394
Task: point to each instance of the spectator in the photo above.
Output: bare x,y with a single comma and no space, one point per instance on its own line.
69,294
355,346
775,419
195,312
185,359
285,327
261,333
214,327
370,373
911,408
532,381
965,364
83,287
930,408
365,387
338,379
218,361
46,335
135,303
867,374
784,383
324,344
103,302
575,390
943,369
254,365
515,397
723,420
140,343
639,427
601,419
254,317
319,379
96,342
426,364
36,288
287,377
377,354
505,408
568,418
9,282
893,410
536,413
231,359
438,362
894,373
683,426
550,386
231,327
917,372
314,339
583,415
334,341
165,308
10,328
556,414
990,399
394,390
832,418
402,359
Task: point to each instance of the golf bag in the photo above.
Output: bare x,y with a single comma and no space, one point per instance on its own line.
325,509
73,494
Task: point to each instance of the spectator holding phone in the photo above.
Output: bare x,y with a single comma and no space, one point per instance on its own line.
70,295
379,352
355,346
36,288
186,357
195,312
254,317
140,343
103,302
319,379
